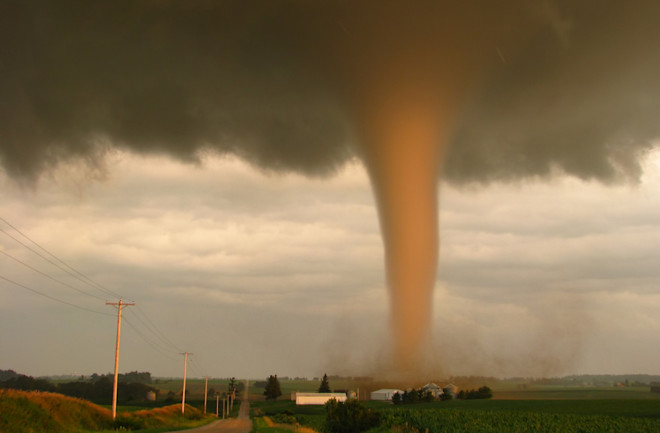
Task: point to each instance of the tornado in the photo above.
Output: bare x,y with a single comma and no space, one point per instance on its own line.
407,72
403,145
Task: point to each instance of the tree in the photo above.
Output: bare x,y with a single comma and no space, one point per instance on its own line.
349,417
232,386
325,385
273,389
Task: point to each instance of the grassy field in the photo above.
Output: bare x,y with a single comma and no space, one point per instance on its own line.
36,412
538,409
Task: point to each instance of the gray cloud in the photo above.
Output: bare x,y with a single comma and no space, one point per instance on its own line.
260,80
585,103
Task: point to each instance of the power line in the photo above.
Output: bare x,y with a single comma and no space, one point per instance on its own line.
163,350
197,366
64,266
167,345
49,276
157,331
52,297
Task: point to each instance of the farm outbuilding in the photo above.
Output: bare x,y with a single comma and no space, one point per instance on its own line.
450,390
385,394
434,389
318,398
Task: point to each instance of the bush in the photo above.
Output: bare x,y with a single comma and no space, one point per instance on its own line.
285,417
349,417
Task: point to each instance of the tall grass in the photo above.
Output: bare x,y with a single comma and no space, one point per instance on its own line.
37,412
34,411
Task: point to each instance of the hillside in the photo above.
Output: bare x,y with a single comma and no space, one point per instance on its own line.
27,412
36,412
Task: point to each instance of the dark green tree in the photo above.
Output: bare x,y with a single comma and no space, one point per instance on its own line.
273,389
427,396
232,386
349,417
325,385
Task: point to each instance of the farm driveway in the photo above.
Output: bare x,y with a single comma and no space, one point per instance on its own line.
241,424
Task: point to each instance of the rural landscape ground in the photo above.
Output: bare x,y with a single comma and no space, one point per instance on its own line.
576,404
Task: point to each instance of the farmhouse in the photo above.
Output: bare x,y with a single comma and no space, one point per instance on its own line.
385,394
318,398
450,390
433,389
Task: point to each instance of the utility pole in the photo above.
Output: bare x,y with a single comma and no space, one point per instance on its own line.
120,305
217,404
206,391
185,366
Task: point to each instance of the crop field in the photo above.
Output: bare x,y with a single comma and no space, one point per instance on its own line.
586,410
486,421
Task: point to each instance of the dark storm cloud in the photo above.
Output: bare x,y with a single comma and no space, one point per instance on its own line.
162,77
582,96
261,79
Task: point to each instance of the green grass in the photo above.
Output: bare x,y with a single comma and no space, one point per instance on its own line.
259,425
32,412
484,421
533,415
575,393
622,408
27,412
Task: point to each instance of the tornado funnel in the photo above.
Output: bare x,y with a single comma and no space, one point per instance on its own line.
406,72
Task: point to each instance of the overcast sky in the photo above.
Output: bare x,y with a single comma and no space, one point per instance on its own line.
259,274
212,162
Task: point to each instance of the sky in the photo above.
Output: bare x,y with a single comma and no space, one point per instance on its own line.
259,274
214,164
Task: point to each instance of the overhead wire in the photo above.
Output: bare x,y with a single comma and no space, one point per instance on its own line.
153,344
165,347
165,344
57,262
49,276
157,331
52,297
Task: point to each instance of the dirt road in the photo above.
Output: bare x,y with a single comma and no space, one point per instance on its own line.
241,424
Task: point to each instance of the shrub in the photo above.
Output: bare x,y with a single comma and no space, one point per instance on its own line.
349,417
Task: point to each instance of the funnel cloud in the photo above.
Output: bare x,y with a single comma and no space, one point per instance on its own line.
474,92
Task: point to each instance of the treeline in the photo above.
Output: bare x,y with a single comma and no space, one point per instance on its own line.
131,377
98,389
482,393
413,396
421,395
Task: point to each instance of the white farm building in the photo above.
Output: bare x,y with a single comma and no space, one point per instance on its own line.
319,398
385,394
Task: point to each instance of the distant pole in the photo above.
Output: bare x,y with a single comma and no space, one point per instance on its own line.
185,366
119,306
224,404
206,390
217,404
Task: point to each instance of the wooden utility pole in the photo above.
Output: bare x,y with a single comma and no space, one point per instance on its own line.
217,404
120,305
206,391
183,394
